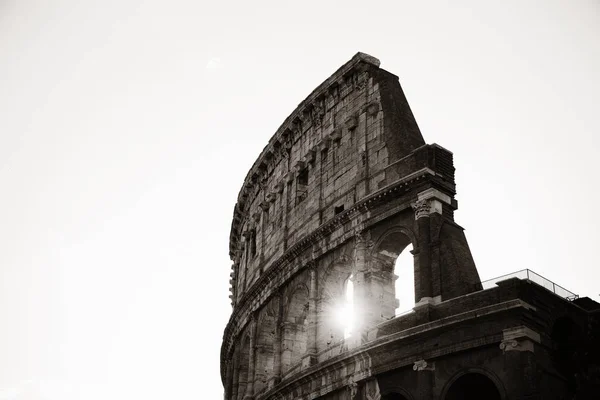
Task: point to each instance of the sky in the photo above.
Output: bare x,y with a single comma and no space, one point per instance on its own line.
127,128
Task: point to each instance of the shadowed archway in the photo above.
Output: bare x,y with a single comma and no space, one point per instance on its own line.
473,386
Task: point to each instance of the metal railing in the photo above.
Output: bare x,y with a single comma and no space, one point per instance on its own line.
535,278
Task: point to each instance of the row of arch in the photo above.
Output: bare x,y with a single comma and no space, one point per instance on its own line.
313,318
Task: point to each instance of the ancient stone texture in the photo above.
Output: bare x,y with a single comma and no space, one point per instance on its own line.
340,190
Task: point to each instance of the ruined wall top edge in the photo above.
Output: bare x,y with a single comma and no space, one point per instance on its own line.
304,111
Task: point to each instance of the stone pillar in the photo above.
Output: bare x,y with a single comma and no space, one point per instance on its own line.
310,357
423,292
323,145
246,234
287,343
364,316
518,346
288,178
249,395
277,343
382,277
428,212
264,206
425,378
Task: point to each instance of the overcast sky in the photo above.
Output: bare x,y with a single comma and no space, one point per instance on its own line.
127,127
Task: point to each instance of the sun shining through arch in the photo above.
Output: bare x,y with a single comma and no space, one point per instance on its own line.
345,312
405,282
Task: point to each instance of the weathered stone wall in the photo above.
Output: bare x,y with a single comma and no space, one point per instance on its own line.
332,151
342,188
345,186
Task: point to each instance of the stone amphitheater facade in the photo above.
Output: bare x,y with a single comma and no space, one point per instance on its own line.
342,188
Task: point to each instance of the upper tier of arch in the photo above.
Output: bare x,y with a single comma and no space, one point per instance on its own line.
329,153
278,138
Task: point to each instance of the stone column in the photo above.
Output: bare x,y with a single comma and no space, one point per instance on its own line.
423,292
310,357
382,280
363,302
249,395
286,199
264,206
428,210
319,157
244,260
287,328
425,378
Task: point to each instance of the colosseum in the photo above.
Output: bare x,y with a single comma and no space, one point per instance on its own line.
345,187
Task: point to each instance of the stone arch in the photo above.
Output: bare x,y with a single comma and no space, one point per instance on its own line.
412,237
395,392
331,300
265,345
339,266
294,327
395,395
474,384
385,253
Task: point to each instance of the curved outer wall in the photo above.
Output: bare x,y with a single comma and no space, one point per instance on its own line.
345,184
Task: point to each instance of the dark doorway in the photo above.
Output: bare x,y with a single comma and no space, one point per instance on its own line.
473,387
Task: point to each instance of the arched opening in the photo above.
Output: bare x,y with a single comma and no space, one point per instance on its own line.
473,386
345,314
393,396
404,287
295,329
334,308
394,260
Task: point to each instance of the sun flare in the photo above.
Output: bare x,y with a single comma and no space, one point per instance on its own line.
345,312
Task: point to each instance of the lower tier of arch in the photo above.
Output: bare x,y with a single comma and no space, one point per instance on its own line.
498,343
